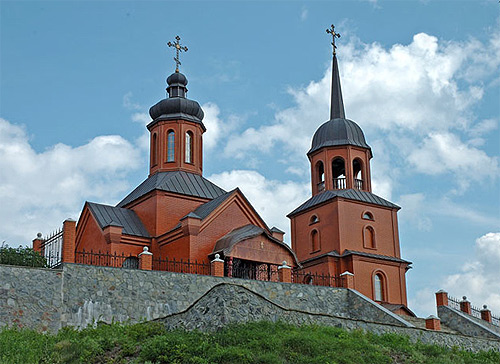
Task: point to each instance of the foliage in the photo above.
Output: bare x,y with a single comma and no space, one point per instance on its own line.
21,256
261,342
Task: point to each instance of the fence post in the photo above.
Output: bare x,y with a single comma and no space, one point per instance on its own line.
217,266
37,243
486,314
441,298
433,323
146,259
68,242
465,306
348,279
285,273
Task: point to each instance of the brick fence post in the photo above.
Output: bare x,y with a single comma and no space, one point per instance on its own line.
433,323
285,273
348,279
146,259
486,314
441,298
37,243
68,244
465,306
217,266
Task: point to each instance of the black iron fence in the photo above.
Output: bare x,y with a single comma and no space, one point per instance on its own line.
495,320
454,303
181,266
51,249
474,311
251,270
317,279
26,257
106,259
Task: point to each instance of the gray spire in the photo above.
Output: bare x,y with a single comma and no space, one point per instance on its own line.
337,104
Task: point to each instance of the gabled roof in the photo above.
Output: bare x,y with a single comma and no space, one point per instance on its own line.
180,182
116,216
350,194
227,242
206,209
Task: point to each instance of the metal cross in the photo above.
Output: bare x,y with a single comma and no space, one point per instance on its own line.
178,49
334,34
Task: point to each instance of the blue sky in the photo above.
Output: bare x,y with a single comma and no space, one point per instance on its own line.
420,77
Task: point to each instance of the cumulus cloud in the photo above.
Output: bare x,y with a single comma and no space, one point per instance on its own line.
272,199
39,190
415,96
478,279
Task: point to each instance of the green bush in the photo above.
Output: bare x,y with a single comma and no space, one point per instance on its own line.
21,256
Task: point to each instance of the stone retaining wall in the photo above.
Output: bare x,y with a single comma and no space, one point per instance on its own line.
79,295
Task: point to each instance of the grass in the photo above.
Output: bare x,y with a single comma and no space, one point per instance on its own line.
262,342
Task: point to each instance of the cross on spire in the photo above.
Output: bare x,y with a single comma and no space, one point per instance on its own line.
178,49
334,35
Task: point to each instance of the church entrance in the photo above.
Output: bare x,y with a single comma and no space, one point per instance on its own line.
247,269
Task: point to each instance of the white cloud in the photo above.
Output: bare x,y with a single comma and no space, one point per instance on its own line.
304,13
39,190
272,199
128,103
414,210
479,279
409,96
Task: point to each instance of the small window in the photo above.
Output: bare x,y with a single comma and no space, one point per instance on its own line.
314,241
313,220
378,287
369,238
189,147
171,146
154,152
367,215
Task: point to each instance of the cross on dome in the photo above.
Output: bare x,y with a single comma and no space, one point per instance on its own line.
178,48
334,35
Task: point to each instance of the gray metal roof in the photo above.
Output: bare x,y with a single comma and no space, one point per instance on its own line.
346,253
350,194
206,209
226,243
337,132
116,216
336,104
180,182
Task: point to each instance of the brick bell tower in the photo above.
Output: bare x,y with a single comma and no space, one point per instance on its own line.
177,128
344,227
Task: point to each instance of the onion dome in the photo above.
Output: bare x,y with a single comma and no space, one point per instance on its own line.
338,130
177,106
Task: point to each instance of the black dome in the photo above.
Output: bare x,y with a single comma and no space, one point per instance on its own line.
338,132
177,106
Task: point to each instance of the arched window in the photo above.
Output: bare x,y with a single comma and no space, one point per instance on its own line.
189,147
320,172
314,241
131,263
338,173
367,215
378,288
170,146
369,238
313,220
154,152
357,171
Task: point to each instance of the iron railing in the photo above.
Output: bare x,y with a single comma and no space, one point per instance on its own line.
181,266
358,183
454,303
475,311
51,249
259,272
107,259
339,183
495,320
317,279
26,257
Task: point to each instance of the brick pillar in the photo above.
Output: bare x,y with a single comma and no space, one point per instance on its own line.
69,237
441,298
486,314
217,266
433,323
285,273
348,281
146,259
465,306
37,243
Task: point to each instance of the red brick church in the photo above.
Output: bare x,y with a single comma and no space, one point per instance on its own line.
343,230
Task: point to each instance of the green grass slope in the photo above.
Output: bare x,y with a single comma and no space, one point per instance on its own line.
261,342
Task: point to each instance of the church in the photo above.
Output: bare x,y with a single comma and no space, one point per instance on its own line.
343,229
